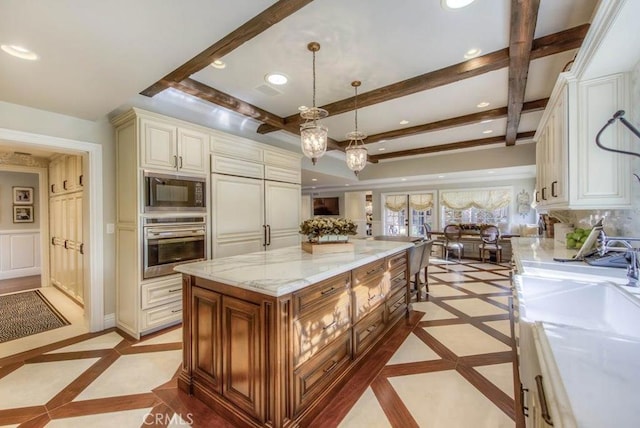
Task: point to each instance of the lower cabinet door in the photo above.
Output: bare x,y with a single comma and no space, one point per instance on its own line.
368,329
317,374
396,306
242,365
206,340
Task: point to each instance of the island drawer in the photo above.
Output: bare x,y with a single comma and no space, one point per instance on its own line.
397,261
367,297
396,306
316,329
314,376
398,280
309,298
369,272
366,331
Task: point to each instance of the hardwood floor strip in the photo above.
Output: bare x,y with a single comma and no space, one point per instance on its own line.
192,410
436,346
13,285
23,356
10,368
37,422
65,356
144,349
417,368
21,414
492,392
487,359
392,404
105,405
81,382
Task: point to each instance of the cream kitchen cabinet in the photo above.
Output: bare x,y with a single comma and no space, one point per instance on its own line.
251,214
165,146
572,172
65,174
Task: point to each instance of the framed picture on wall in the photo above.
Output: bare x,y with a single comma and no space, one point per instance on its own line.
22,214
22,195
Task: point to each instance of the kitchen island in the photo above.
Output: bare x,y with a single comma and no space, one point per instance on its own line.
269,337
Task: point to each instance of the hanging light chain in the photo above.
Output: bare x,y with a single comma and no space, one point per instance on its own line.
314,78
356,107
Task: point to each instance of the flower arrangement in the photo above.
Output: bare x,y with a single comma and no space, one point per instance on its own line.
314,228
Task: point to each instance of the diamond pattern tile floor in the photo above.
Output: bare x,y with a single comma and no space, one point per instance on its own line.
454,369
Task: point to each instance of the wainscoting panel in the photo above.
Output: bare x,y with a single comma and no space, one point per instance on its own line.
19,253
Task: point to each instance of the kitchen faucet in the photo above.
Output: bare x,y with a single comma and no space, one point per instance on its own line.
607,243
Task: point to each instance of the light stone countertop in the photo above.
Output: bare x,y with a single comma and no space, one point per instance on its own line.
282,271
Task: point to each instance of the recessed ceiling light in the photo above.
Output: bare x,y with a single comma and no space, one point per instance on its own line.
472,53
314,179
483,104
486,121
313,187
404,122
382,149
347,185
487,131
19,51
219,64
490,172
303,108
403,179
441,176
455,4
276,78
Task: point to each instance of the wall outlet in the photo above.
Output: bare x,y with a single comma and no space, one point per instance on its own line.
111,228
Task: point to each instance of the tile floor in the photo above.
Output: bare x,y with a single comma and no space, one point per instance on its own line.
453,369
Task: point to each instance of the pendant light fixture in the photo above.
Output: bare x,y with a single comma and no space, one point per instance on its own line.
313,135
356,152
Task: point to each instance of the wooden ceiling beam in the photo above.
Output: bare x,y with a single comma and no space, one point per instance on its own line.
450,146
256,25
524,15
496,113
544,46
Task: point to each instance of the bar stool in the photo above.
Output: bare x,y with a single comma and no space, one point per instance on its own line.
490,235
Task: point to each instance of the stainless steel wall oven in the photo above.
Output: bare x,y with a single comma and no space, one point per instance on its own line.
169,242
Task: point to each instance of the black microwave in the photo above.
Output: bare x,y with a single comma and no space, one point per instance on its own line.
165,192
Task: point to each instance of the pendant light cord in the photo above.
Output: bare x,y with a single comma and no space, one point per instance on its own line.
356,107
314,79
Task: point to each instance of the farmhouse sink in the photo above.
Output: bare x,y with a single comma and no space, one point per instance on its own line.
597,306
580,271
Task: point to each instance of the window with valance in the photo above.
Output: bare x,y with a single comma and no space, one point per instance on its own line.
490,206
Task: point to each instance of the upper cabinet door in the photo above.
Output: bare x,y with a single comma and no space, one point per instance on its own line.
159,145
191,151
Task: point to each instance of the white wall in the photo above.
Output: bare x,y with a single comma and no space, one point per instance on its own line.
21,118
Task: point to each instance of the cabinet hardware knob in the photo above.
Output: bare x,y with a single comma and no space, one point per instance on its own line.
173,291
64,184
373,327
331,367
53,240
553,189
329,325
81,249
329,291
81,179
53,188
175,161
544,193
66,244
180,162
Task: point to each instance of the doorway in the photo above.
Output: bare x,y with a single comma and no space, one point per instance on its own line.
406,214
92,209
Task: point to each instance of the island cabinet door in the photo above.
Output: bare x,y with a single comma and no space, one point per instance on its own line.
242,356
206,338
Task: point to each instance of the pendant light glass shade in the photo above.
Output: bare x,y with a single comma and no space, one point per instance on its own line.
356,152
313,135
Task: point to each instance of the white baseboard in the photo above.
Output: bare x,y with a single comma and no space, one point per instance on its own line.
19,273
109,320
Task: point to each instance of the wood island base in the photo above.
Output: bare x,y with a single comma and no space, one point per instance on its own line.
260,360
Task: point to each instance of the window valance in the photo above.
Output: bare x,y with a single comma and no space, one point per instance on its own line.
395,203
483,199
421,202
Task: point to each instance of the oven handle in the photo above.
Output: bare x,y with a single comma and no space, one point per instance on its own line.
159,233
174,240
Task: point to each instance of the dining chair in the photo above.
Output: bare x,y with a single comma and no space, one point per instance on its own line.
452,234
490,236
419,260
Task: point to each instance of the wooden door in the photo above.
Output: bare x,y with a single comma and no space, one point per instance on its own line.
282,214
242,359
237,217
205,338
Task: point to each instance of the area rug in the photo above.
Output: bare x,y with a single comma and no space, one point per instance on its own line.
27,313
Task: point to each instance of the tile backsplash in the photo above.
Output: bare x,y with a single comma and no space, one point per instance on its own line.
616,222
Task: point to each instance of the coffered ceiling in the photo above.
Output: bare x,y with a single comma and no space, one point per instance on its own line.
409,55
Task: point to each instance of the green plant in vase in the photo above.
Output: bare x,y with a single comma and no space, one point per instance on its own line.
328,229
